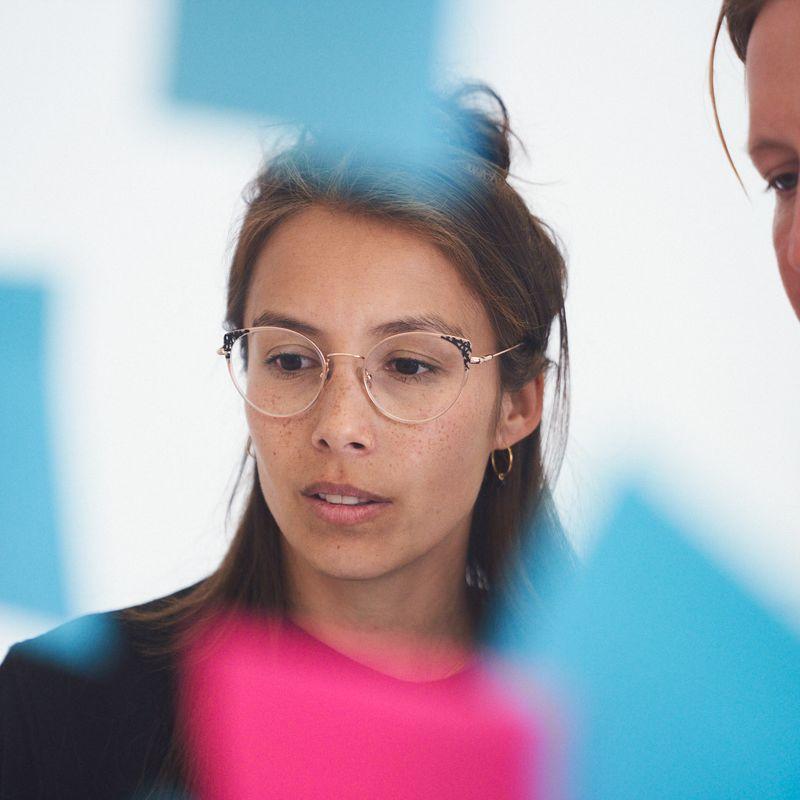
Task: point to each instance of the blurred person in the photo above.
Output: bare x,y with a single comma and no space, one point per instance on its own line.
766,37
388,329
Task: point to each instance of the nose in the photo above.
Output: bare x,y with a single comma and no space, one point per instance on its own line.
344,415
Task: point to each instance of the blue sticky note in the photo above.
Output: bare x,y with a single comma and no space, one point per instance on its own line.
31,573
680,684
538,574
352,70
89,645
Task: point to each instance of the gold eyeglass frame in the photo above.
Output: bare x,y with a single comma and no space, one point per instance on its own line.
464,345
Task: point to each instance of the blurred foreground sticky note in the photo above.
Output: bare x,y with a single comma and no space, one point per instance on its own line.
681,685
30,553
89,645
532,587
273,712
351,69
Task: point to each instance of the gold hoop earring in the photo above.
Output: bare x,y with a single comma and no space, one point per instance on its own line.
501,476
250,449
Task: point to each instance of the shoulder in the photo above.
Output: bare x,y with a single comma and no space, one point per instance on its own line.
91,647
84,689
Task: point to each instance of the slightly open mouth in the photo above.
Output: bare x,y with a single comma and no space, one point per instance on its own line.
342,500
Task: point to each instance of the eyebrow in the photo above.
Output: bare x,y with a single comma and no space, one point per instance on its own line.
412,322
767,144
271,319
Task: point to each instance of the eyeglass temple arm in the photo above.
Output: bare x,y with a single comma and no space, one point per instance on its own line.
481,359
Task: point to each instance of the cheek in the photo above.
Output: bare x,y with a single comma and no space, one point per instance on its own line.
786,233
277,443
790,276
787,249
780,220
450,457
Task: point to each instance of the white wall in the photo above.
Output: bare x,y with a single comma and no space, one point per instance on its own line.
685,353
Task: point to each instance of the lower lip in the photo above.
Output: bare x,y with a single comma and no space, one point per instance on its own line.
341,514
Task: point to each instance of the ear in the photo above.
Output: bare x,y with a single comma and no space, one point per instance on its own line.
521,413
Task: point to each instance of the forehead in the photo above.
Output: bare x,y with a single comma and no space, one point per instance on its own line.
346,274
773,72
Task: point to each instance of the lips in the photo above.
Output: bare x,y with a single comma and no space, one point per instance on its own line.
343,492
343,503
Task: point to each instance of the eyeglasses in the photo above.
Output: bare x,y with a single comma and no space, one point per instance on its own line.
410,377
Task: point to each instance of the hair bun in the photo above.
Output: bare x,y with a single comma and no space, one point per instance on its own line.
475,120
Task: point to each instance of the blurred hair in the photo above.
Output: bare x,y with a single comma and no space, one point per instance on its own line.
739,16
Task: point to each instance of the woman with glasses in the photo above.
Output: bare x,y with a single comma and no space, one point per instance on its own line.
388,330
765,35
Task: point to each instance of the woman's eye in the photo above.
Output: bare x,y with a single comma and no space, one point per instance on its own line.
410,367
289,362
784,183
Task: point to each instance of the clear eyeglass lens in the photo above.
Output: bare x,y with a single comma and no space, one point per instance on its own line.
277,371
415,376
410,376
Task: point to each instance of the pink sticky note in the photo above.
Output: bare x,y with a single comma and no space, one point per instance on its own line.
273,713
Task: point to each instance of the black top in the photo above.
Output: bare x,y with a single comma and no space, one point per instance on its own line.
94,730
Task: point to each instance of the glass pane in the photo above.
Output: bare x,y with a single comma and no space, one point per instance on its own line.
276,370
415,376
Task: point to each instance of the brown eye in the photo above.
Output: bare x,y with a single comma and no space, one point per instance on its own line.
289,362
409,366
783,183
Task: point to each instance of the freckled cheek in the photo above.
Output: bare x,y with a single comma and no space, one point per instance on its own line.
780,230
277,443
452,453
787,249
786,232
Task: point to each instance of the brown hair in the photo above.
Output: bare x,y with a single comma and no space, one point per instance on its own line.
509,259
740,16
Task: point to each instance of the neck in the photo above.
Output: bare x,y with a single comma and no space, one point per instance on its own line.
409,623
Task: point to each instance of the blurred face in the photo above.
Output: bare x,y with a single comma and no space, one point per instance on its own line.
773,87
344,275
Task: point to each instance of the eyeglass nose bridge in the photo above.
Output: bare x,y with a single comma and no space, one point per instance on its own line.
367,378
352,355
330,355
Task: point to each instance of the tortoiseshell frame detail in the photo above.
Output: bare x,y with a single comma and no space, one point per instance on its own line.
229,340
464,345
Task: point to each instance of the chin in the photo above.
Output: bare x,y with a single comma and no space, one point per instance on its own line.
347,565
